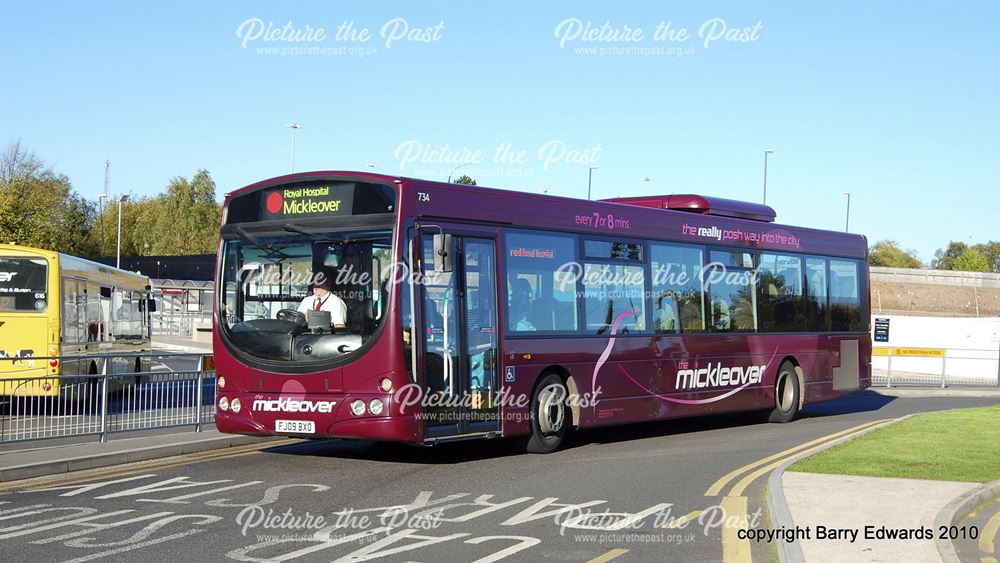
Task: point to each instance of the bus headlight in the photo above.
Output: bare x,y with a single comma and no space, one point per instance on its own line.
224,404
385,384
221,382
235,405
358,407
375,406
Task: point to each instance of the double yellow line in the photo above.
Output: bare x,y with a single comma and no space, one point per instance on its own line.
734,504
770,463
84,476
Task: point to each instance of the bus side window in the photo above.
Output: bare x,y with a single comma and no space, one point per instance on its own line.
675,277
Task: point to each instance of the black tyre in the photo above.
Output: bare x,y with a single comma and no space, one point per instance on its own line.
550,416
787,394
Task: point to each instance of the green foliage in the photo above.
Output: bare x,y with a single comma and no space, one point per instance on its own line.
38,207
888,253
950,258
944,258
972,260
956,445
991,250
188,219
465,179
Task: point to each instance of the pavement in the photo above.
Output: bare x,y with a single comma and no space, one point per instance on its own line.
867,507
41,461
180,344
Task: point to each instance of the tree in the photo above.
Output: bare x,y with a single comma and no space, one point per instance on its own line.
888,253
38,206
944,258
972,260
188,219
992,252
465,179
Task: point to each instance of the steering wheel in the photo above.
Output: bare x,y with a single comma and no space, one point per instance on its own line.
292,316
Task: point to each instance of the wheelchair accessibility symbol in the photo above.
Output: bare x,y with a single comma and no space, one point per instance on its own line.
508,375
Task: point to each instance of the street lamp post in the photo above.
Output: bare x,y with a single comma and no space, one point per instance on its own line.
847,222
294,127
766,152
102,200
590,180
121,199
645,185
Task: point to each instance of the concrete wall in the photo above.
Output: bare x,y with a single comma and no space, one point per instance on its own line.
934,277
972,346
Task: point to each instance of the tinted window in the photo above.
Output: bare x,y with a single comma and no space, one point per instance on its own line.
817,311
780,279
677,288
614,295
612,250
731,298
732,259
845,301
541,282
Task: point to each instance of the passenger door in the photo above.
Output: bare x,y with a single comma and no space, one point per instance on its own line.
460,339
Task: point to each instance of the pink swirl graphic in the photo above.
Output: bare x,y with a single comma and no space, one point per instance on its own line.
607,350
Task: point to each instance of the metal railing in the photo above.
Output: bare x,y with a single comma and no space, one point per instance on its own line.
179,323
947,367
102,404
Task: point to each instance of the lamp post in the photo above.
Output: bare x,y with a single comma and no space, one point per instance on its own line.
121,199
645,185
847,222
590,180
294,127
766,152
102,200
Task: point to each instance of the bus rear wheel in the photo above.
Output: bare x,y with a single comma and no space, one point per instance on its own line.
550,416
786,394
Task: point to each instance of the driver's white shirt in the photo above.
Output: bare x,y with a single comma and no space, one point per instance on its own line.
330,303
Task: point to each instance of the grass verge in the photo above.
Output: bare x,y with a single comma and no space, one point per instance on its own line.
956,445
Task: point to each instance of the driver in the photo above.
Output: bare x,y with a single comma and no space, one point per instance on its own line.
323,299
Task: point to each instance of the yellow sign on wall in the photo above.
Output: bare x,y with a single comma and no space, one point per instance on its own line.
909,352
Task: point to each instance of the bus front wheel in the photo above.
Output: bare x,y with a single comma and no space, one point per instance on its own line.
786,394
550,416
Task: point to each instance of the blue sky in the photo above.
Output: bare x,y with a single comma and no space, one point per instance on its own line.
895,103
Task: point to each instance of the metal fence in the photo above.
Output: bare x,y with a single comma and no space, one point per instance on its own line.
102,404
951,367
179,323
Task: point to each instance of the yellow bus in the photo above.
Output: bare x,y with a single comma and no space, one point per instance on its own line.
53,304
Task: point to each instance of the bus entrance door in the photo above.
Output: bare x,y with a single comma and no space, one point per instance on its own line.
461,340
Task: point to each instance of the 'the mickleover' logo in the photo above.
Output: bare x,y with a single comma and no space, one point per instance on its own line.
283,404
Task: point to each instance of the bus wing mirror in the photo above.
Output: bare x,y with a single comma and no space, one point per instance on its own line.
442,253
151,305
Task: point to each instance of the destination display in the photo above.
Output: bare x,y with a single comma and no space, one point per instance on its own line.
311,199
308,201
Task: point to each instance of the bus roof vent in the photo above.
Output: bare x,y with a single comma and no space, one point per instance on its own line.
705,205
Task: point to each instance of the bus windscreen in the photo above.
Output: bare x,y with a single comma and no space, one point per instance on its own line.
303,297
23,284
